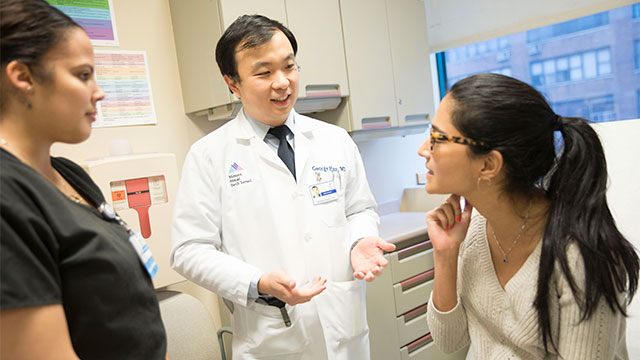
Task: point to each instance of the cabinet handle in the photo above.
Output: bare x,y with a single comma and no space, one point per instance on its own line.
416,118
417,344
322,90
415,313
417,280
376,122
411,250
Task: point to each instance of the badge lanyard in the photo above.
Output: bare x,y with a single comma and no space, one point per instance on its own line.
136,240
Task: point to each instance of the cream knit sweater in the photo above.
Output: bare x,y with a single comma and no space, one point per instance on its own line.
502,323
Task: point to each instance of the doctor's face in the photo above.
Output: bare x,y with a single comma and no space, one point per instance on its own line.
268,86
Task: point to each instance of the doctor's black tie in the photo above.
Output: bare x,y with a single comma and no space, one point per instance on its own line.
285,152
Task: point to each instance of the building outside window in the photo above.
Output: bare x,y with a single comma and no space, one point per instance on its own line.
636,46
587,67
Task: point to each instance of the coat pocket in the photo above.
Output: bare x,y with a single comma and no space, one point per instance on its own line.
332,213
267,336
345,309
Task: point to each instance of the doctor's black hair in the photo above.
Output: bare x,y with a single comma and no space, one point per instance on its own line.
247,32
514,119
29,29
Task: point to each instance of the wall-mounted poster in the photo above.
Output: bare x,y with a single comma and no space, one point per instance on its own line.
124,78
95,16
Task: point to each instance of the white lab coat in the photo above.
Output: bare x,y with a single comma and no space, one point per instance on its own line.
239,212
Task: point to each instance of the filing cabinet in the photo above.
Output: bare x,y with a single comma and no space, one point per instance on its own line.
397,304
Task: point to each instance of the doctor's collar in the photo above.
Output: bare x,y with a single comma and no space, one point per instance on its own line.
261,129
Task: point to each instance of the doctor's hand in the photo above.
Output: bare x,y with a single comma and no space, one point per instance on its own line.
367,258
280,285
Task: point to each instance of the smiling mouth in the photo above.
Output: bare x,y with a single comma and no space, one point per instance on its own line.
281,99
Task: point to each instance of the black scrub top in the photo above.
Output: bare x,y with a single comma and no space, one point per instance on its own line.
56,251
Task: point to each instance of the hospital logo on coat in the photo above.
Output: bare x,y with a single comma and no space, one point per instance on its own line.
234,167
238,176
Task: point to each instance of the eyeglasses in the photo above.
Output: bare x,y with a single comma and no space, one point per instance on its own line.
439,137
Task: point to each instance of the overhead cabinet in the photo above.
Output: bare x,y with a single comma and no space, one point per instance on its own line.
199,24
388,65
367,59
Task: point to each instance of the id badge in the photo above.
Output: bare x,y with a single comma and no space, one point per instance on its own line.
323,192
144,253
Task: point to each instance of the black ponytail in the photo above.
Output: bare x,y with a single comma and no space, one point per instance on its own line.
579,213
516,120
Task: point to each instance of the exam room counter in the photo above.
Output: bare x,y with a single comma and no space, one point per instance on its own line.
400,226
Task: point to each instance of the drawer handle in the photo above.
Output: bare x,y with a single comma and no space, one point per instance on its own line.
416,117
376,122
417,280
417,344
323,90
415,313
404,253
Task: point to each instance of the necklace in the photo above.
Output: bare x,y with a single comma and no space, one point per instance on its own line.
505,254
71,194
68,191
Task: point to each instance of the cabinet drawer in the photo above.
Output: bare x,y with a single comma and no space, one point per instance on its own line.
412,325
428,351
421,348
411,261
413,292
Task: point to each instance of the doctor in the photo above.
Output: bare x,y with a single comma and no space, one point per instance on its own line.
248,227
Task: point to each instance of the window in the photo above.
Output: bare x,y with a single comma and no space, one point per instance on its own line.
568,27
576,67
636,46
578,64
598,109
477,50
502,71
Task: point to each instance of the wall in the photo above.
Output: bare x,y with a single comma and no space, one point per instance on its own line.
174,132
391,164
622,149
146,25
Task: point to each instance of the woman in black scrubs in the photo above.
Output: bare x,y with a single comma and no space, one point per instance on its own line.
72,284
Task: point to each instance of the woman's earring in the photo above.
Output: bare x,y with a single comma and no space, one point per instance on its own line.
480,179
28,90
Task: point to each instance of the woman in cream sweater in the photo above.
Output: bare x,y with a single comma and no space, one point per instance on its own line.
538,269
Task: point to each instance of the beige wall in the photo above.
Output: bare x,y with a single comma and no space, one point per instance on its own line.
146,25
619,139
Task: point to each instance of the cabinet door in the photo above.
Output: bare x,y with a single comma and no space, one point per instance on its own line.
369,67
411,66
202,84
232,9
317,28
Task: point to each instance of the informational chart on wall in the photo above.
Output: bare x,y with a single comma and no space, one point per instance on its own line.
124,78
95,16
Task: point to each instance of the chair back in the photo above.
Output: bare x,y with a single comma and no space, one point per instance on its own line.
191,332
